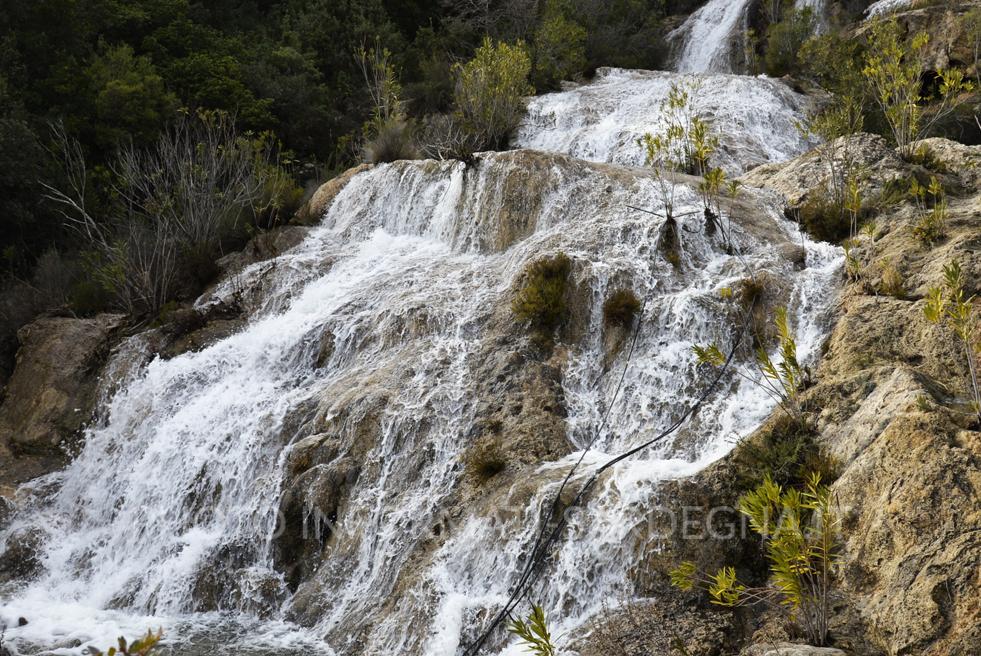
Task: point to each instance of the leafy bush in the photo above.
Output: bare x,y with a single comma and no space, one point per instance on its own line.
784,40
951,307
800,532
491,90
782,381
388,134
892,70
891,280
559,48
621,308
785,451
541,301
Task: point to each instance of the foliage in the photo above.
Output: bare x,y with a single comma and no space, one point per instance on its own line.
559,47
951,307
175,205
684,145
799,528
891,280
621,308
144,646
534,632
892,70
782,380
388,134
932,203
784,40
541,300
786,451
491,90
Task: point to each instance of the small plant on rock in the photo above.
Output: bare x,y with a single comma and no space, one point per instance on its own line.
534,632
782,380
541,300
950,306
932,203
891,283
800,533
621,308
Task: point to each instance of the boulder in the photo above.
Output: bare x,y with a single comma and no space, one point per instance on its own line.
314,209
52,392
790,649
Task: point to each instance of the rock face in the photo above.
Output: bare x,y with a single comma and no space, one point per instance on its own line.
891,407
315,208
51,394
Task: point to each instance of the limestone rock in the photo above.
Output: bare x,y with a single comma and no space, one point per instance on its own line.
51,394
314,209
790,649
795,179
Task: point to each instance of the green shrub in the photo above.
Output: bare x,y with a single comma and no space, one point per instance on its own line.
785,451
559,48
491,90
784,40
892,71
800,533
925,157
891,280
932,203
823,219
783,380
621,308
392,141
541,301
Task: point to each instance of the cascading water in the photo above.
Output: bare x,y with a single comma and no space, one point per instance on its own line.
706,37
359,365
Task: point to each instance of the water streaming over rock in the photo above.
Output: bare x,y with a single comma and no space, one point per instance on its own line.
708,36
311,470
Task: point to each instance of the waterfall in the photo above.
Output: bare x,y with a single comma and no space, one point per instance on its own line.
755,118
358,385
884,7
707,36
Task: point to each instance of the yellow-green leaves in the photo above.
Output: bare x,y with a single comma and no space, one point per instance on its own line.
683,576
950,306
892,70
534,632
710,355
491,89
141,647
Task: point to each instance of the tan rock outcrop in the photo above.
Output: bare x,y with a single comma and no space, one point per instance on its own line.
315,208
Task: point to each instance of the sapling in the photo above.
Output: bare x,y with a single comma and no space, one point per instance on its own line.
950,306
782,380
799,530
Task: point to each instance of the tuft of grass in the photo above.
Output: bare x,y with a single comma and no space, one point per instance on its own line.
823,219
541,301
891,283
394,140
485,462
786,452
621,308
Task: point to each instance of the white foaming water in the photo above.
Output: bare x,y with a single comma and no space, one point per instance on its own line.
172,507
182,481
883,7
707,36
755,118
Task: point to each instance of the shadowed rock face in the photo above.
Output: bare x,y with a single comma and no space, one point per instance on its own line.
52,393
